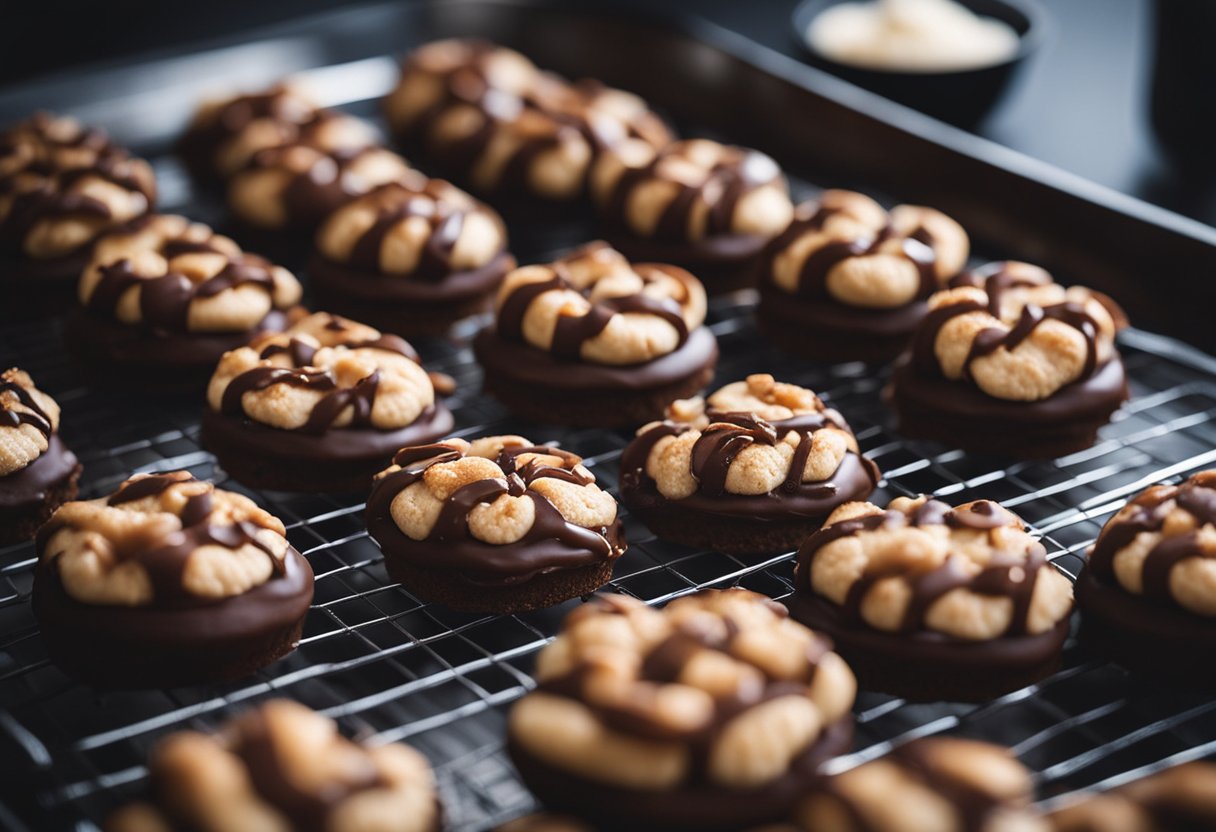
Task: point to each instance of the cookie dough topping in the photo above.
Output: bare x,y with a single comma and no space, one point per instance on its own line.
720,686
227,133
281,767
692,190
751,437
937,783
300,184
168,273
1162,545
28,417
1015,333
323,372
414,227
1179,798
971,572
163,540
847,248
490,112
497,490
62,184
596,306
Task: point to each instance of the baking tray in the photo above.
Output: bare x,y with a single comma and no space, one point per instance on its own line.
389,667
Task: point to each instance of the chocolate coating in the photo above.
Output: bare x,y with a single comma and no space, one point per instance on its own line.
826,330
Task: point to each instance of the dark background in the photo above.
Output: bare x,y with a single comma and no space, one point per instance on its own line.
1081,102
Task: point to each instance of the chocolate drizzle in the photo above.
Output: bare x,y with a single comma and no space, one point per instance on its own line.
1007,574
972,804
572,331
665,663
736,173
164,300
53,198
1147,513
917,247
34,415
721,441
551,543
995,280
164,554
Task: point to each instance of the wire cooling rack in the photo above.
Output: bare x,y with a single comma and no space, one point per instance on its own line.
389,667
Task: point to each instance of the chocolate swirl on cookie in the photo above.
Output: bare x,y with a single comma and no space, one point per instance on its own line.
61,184
19,394
549,539
1177,522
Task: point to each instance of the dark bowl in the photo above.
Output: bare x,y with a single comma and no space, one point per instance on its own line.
961,97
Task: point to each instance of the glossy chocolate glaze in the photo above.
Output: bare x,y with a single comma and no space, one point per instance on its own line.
916,247
374,286
717,447
1197,496
528,365
52,200
28,486
730,179
552,543
1005,576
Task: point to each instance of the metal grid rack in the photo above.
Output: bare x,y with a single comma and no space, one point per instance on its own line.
389,667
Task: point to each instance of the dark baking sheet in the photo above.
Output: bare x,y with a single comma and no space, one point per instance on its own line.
390,667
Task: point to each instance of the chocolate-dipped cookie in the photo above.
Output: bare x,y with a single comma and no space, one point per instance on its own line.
712,713
281,767
592,339
934,784
1147,595
1009,362
37,471
490,119
1179,799
226,133
934,603
321,406
708,207
168,581
751,470
496,525
163,298
411,257
61,185
848,281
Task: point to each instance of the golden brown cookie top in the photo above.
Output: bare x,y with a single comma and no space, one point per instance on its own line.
62,184
972,571
935,783
490,113
28,418
691,190
1016,334
1162,545
751,437
1182,797
226,133
168,273
323,372
162,539
596,306
627,693
281,767
416,227
846,248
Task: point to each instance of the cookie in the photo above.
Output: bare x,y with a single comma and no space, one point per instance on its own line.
751,470
496,525
713,713
168,581
848,280
594,340
933,603
1179,799
38,473
321,406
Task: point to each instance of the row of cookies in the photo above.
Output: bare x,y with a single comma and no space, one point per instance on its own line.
715,713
